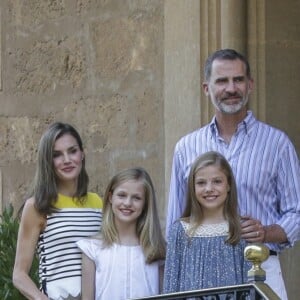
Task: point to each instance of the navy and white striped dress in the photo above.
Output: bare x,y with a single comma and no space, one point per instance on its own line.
59,257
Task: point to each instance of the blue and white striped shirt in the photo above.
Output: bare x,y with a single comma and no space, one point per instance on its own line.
266,169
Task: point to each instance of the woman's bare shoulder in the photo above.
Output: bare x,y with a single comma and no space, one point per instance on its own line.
31,215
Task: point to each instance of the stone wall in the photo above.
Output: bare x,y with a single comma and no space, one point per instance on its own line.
96,64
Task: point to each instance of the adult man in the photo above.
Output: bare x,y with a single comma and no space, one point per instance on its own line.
263,159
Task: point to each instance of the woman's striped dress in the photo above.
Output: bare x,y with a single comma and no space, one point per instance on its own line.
59,257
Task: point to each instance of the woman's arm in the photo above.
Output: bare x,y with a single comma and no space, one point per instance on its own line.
88,278
30,227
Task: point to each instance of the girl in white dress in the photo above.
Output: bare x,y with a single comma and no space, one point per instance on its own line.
126,259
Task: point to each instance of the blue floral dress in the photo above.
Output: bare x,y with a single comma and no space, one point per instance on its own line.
203,260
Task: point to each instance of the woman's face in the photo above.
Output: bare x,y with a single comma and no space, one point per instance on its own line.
67,158
211,189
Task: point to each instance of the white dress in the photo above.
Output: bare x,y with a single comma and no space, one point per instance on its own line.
121,271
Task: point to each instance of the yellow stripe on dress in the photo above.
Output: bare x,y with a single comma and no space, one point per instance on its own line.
93,201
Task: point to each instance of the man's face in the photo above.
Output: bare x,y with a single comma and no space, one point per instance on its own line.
228,86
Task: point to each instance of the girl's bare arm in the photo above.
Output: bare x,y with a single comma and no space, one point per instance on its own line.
88,278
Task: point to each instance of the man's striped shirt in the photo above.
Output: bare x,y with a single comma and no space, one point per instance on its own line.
266,169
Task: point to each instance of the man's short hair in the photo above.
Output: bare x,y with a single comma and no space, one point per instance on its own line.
224,54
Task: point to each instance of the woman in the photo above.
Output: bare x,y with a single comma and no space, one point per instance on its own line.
58,213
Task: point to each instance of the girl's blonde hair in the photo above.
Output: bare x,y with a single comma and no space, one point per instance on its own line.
193,211
148,226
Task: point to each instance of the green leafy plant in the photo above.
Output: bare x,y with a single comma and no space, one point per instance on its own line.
9,226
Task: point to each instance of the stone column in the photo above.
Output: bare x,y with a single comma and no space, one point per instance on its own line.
210,40
256,41
234,25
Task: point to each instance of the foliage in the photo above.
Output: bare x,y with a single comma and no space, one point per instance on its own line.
9,226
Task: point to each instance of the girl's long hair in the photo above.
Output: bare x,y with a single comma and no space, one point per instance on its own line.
148,226
193,211
44,186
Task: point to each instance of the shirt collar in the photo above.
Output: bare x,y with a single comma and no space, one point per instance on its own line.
245,124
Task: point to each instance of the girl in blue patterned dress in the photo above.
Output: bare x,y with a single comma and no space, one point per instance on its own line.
58,212
204,248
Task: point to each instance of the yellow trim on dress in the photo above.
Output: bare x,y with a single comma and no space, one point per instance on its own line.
93,201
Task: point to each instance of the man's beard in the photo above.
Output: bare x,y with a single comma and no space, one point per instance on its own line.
230,108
